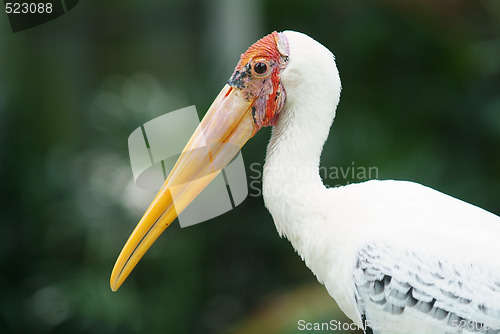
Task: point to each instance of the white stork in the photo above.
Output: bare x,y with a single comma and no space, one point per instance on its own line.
397,257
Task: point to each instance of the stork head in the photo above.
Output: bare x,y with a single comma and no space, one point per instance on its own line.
252,98
258,77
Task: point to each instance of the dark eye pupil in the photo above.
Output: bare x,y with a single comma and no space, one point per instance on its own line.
260,68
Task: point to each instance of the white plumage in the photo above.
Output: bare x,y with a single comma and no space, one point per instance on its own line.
403,256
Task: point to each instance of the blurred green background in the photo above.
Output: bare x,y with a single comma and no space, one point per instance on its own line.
420,101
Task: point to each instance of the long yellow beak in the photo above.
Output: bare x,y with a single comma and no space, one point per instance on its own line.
225,128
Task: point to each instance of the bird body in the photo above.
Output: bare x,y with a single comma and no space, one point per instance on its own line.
406,225
397,257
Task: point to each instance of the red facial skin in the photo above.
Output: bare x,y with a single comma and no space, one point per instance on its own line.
269,53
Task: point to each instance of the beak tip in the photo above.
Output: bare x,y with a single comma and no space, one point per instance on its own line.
114,287
114,282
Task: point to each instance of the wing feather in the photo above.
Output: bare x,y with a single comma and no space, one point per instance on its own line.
428,294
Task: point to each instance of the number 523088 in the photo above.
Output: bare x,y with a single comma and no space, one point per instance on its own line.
28,8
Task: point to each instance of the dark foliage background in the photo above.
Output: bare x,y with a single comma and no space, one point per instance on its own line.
420,101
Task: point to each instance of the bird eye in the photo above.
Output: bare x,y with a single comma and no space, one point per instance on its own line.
260,68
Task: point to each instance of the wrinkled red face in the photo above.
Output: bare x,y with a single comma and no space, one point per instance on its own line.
257,75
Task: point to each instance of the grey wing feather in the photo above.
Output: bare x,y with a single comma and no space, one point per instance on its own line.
417,288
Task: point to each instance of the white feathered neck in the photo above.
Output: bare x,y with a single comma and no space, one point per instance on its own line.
291,181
